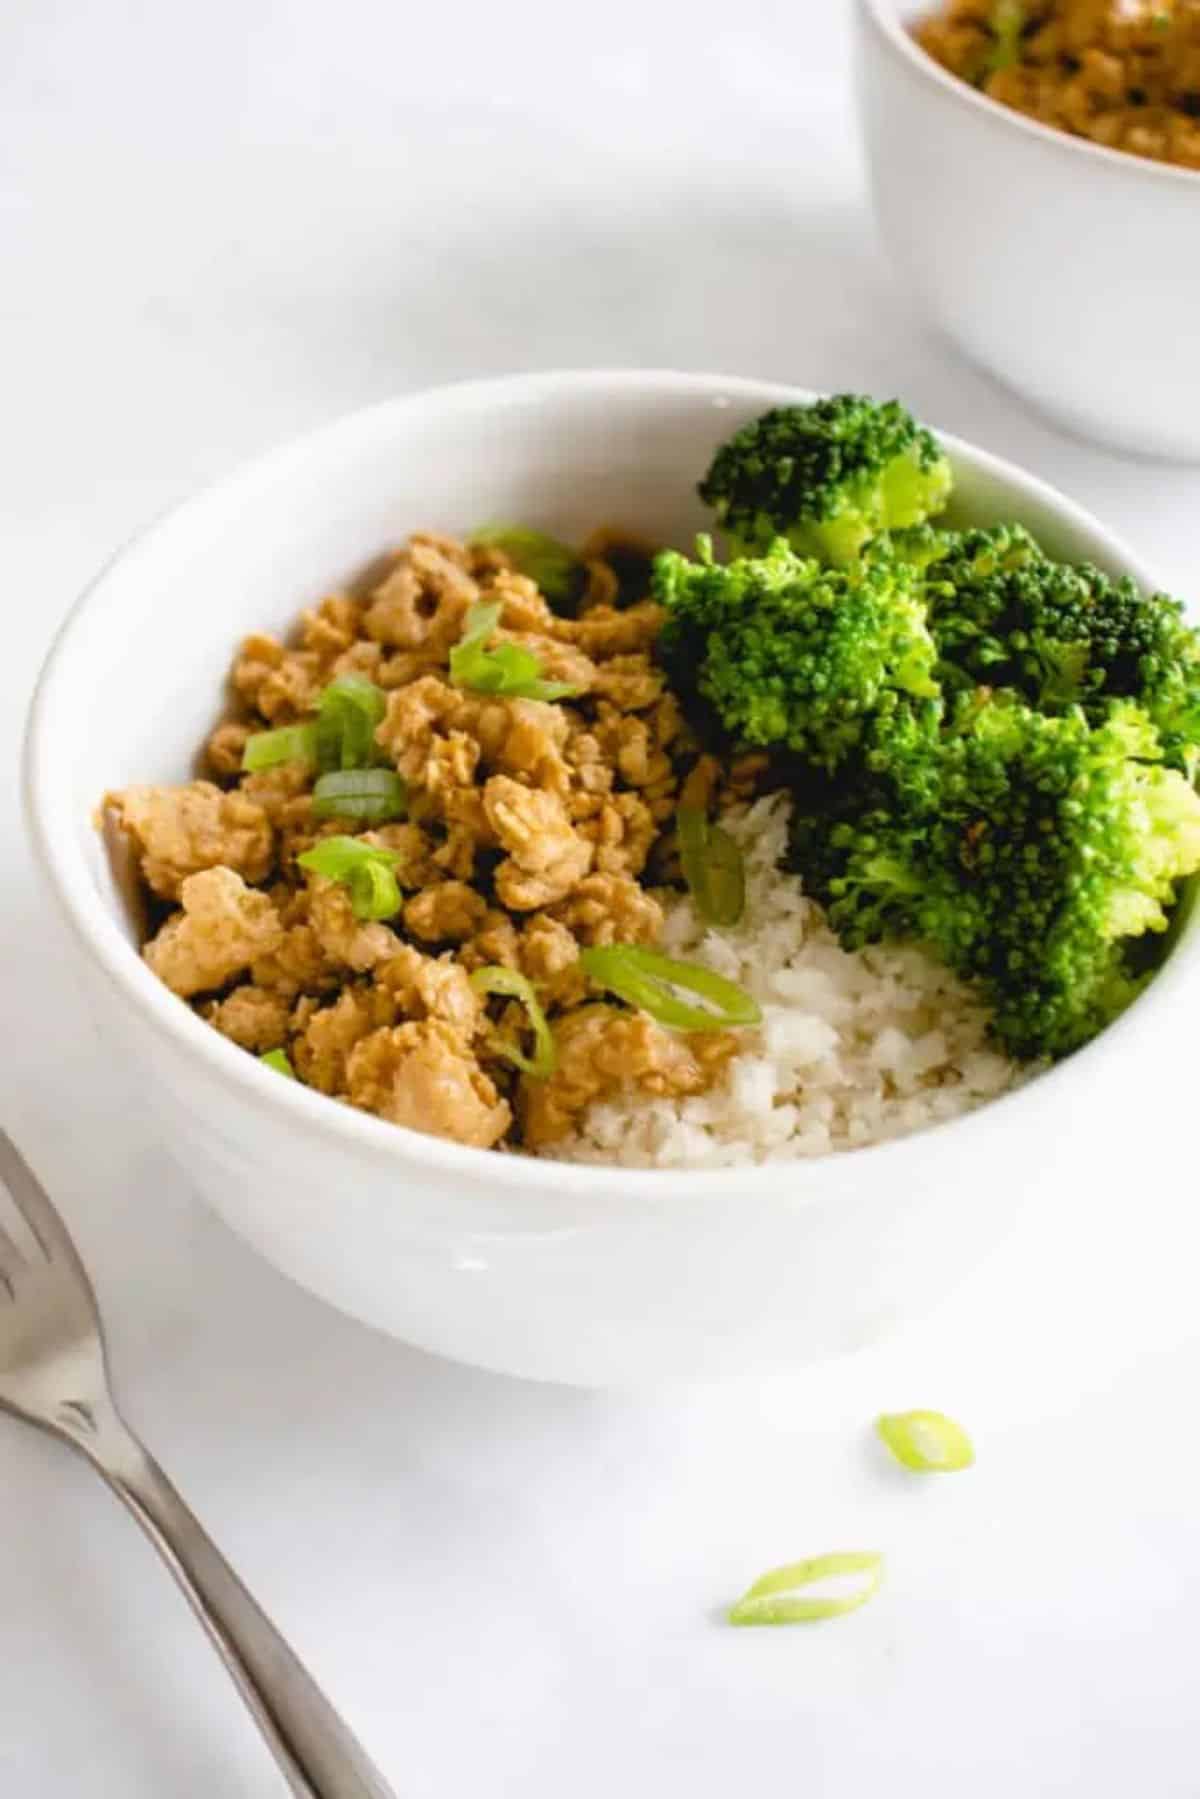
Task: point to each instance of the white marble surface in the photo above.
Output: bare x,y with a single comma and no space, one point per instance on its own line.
220,225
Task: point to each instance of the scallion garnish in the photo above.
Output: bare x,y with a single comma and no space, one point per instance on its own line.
289,743
366,871
278,1060
507,981
782,1596
509,670
713,867
341,736
373,795
348,711
927,1442
644,978
554,569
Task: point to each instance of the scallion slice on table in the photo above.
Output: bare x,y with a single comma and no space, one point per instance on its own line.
554,568
653,982
713,867
289,743
512,985
278,1060
368,873
509,670
373,795
927,1442
784,1595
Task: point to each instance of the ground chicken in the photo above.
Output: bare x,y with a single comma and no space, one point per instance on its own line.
622,828
332,628
604,632
1124,73
423,601
327,1035
602,1050
549,957
223,751
631,682
446,912
559,661
223,927
546,855
353,942
432,987
495,944
279,683
610,908
253,1017
528,824
423,1076
181,830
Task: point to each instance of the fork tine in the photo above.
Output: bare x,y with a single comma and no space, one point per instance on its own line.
33,1202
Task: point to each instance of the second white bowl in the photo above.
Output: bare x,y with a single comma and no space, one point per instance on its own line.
1068,271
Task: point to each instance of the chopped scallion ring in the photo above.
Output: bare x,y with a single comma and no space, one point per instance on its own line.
509,670
278,1060
507,981
367,872
290,743
927,1442
652,982
348,711
713,867
373,795
782,1596
554,569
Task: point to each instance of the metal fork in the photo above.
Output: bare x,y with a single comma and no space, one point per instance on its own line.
54,1373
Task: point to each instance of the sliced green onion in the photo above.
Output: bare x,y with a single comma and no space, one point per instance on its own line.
644,978
928,1442
781,1596
348,711
713,867
341,736
368,873
1007,23
278,1060
373,795
506,981
290,743
509,670
553,568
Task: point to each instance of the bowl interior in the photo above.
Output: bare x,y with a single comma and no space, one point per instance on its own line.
138,676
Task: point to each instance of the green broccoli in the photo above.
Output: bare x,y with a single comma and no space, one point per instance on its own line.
788,654
1029,852
1004,612
826,476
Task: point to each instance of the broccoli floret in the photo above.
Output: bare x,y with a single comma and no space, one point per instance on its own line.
1063,635
827,477
791,655
1029,852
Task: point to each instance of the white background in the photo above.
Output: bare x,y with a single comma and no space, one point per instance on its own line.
222,224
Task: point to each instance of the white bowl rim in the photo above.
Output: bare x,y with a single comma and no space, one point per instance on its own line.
884,15
360,1134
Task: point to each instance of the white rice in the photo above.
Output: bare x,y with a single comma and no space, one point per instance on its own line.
853,1048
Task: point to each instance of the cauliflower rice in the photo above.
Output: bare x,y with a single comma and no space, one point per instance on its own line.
854,1047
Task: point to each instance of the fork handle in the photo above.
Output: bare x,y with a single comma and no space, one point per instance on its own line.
318,1754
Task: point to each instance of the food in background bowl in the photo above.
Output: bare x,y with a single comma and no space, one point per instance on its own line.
678,861
1124,73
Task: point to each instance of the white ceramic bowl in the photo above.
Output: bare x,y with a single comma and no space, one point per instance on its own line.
1068,271
563,1273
